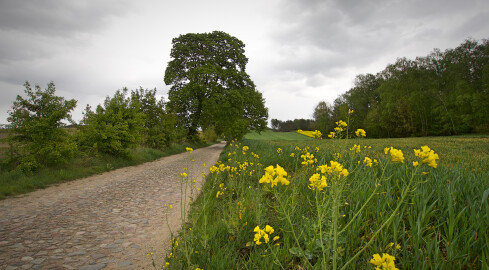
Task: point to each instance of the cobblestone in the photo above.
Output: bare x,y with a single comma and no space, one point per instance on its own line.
107,221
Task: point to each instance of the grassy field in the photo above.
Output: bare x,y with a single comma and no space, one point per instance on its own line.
269,135
16,182
424,217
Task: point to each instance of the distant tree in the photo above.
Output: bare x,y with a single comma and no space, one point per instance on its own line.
323,117
159,126
275,124
35,130
210,86
114,127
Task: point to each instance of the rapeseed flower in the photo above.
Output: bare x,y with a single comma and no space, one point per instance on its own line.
396,154
332,135
265,234
317,182
308,159
341,123
356,148
427,155
360,132
368,162
386,262
273,176
317,134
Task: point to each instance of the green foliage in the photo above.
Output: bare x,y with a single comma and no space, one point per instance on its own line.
444,93
114,127
210,87
293,125
159,126
35,130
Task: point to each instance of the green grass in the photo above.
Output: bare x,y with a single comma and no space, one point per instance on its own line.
16,182
269,135
440,219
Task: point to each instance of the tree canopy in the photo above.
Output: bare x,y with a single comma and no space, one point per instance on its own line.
35,128
210,87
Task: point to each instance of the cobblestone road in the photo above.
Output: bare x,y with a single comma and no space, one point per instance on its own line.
106,221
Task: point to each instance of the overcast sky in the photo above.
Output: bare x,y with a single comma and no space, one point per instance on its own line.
300,51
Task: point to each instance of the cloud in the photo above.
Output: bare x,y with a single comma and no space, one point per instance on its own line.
328,37
33,30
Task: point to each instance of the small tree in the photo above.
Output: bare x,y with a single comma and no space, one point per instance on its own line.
36,135
159,126
114,127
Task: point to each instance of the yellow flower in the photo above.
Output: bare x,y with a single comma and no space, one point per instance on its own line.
188,149
245,148
292,155
427,155
396,155
273,176
367,161
276,238
350,111
356,148
386,262
183,174
317,181
360,132
265,234
279,151
415,163
341,123
332,135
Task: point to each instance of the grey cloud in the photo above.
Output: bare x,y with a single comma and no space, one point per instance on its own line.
57,17
33,30
342,34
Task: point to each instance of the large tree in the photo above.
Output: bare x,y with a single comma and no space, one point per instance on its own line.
210,87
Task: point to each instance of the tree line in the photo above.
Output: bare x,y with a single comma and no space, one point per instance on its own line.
443,93
210,93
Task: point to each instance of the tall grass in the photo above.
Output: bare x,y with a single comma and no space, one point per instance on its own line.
427,218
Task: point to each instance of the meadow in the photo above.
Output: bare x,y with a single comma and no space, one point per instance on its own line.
278,201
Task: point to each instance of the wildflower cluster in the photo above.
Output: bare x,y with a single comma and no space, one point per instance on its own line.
308,159
335,168
356,148
427,155
265,234
332,135
396,154
340,125
188,149
369,162
274,176
221,190
360,133
317,181
386,262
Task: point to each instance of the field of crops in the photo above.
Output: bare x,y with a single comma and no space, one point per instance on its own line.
341,204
